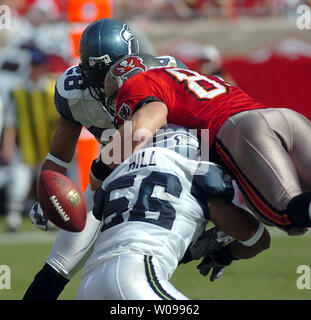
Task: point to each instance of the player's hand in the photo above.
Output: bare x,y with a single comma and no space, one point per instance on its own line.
216,262
210,241
208,264
37,217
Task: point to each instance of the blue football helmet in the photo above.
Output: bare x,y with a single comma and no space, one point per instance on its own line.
177,138
102,43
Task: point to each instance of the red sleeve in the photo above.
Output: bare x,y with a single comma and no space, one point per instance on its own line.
131,96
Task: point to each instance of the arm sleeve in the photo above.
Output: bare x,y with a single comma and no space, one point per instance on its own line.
62,106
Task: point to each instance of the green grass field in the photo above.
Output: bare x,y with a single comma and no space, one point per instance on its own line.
271,275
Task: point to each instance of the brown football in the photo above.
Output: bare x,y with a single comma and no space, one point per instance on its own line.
62,201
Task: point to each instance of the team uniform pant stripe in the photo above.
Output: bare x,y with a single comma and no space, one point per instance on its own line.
251,193
153,280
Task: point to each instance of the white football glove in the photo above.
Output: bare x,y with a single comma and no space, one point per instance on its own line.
37,217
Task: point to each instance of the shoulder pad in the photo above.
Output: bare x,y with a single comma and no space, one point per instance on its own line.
170,61
209,181
70,84
69,89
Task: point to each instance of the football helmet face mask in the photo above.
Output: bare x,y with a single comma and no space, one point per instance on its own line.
122,70
102,43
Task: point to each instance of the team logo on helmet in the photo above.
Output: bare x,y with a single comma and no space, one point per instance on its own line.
127,65
182,140
124,111
127,36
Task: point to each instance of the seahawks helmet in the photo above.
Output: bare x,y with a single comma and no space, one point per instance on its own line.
177,138
102,43
122,70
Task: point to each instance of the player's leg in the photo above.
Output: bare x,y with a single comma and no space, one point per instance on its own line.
301,150
67,256
299,208
128,277
19,183
256,147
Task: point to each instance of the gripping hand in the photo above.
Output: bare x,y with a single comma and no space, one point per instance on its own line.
37,217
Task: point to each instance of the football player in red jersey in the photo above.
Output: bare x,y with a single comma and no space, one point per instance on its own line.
268,150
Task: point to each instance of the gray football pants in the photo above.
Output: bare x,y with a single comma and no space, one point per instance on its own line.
269,153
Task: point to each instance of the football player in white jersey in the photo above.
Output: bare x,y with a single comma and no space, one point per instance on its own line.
153,206
80,101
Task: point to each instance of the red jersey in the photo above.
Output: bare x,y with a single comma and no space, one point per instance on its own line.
193,100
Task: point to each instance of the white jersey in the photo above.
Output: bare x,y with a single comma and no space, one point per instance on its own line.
74,102
155,204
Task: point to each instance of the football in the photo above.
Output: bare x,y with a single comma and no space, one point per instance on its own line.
62,201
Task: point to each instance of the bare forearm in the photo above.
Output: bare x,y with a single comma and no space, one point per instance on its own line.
62,147
240,251
251,236
50,165
232,220
134,133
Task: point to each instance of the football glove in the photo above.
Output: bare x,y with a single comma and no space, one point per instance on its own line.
37,217
216,262
210,241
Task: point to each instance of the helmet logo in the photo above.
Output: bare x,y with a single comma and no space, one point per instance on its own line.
103,59
127,65
124,111
127,36
182,140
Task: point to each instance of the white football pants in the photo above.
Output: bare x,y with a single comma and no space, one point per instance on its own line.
128,277
71,249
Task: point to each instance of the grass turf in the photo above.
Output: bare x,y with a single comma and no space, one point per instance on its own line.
272,275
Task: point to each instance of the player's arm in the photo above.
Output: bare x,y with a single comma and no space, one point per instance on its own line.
67,132
144,124
63,146
58,159
250,234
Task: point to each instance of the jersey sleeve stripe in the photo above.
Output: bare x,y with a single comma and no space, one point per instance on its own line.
146,100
